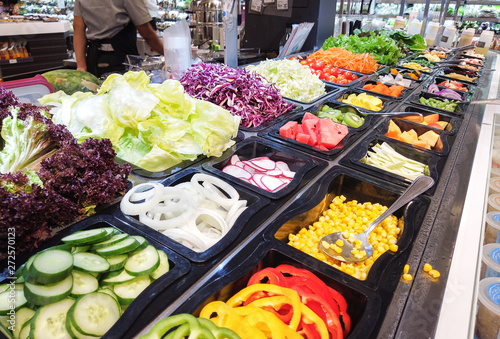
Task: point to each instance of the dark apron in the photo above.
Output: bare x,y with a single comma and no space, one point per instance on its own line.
101,59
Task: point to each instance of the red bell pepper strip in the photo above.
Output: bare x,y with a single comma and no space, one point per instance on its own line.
272,275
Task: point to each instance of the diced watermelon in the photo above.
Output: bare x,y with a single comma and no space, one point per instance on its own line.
309,116
330,133
323,148
308,126
303,138
289,130
299,129
313,138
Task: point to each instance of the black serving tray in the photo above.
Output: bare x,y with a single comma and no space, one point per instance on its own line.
403,94
255,202
403,70
354,185
453,120
434,162
402,62
387,106
406,125
255,147
459,110
273,134
297,108
444,72
179,266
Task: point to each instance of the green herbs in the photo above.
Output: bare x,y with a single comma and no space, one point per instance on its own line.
414,42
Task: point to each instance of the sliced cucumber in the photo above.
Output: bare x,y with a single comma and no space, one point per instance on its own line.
74,333
23,315
117,262
51,267
50,320
28,265
143,243
11,299
25,331
94,313
163,268
80,249
46,294
143,262
122,247
83,283
90,262
109,292
116,277
86,237
4,320
62,247
128,291
4,287
111,241
6,332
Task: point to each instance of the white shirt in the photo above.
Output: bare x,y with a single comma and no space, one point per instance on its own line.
152,7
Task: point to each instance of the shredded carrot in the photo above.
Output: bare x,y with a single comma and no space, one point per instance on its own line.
342,58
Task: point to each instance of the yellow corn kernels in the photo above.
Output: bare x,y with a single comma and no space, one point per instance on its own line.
407,277
406,269
434,273
350,218
427,268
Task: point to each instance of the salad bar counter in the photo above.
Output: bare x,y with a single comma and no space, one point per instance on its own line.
231,234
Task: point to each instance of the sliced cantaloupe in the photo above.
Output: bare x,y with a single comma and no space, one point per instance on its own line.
431,118
394,130
443,124
430,137
422,143
408,137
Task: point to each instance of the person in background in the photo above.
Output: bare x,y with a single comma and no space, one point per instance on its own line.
105,32
153,10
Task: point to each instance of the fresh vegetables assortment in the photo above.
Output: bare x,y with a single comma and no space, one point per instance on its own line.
152,126
439,54
472,53
196,214
321,133
460,77
350,217
245,94
454,85
426,140
434,120
445,92
397,79
328,72
185,325
393,91
414,74
414,42
37,161
379,45
447,105
348,118
473,61
339,57
383,156
431,58
416,66
282,302
262,172
363,100
79,289
294,81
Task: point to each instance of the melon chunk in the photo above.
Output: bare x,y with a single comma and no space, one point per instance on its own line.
430,137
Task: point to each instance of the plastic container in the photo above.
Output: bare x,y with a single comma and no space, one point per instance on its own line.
414,27
494,171
492,228
454,122
494,203
448,37
494,185
29,90
495,158
466,37
431,33
488,309
490,265
485,39
400,23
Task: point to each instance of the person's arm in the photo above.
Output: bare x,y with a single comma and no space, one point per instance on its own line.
79,43
149,34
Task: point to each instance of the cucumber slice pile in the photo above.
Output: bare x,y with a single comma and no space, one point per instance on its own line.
103,269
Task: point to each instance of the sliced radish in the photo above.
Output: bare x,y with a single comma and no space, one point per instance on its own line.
237,172
275,172
240,164
282,166
234,159
272,183
248,168
266,164
285,180
288,174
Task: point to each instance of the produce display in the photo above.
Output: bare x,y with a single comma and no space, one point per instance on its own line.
350,119
472,53
439,54
416,66
283,302
431,57
245,94
329,73
70,81
393,91
151,126
339,57
454,85
426,140
415,74
350,217
196,214
37,160
473,61
261,172
363,100
447,105
397,79
383,156
445,92
461,77
434,121
80,289
317,132
291,78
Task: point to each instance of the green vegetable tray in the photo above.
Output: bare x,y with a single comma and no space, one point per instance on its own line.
460,108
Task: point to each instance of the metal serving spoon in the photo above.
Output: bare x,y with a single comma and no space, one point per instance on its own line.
419,185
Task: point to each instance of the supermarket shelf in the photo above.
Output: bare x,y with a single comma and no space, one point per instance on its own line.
15,61
479,19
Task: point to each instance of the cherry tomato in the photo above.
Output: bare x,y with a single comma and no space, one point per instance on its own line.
348,75
293,58
344,82
332,78
341,77
354,77
304,62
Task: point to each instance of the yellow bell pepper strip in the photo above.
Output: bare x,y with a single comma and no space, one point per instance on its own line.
311,318
239,298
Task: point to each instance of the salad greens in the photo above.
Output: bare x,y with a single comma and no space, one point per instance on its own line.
414,42
152,126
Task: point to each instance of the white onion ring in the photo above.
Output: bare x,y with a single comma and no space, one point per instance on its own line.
240,204
216,183
129,207
230,222
155,221
180,236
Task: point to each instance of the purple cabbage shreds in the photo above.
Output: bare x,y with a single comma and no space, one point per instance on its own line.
244,94
85,174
